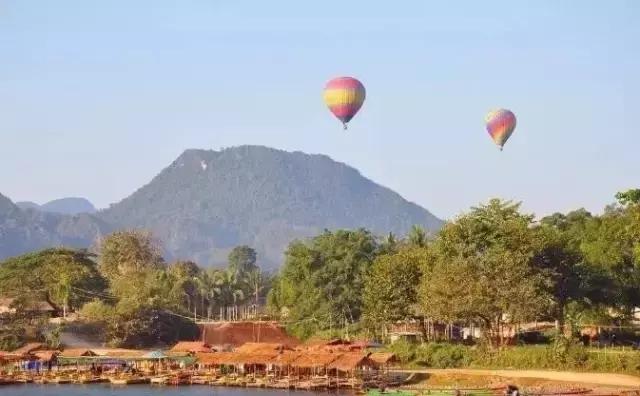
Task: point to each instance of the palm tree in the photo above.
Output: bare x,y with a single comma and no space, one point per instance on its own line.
256,283
231,292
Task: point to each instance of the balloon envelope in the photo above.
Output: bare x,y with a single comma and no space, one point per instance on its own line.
500,125
344,96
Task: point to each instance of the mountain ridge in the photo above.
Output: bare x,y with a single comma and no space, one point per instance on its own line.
66,205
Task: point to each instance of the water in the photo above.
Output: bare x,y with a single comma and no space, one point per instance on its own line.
145,390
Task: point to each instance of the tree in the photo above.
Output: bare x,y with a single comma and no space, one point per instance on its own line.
128,252
483,270
629,197
390,288
322,280
242,260
65,278
417,236
256,283
570,279
186,283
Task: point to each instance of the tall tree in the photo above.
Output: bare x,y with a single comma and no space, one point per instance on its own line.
483,271
128,252
65,278
390,289
322,280
242,260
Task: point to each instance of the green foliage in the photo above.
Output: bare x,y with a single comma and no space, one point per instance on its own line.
125,253
483,269
390,289
322,280
441,355
404,350
59,276
242,260
629,197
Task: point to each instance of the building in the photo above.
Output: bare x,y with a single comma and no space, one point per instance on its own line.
8,306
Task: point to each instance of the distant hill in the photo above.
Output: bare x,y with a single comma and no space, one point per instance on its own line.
206,202
25,230
70,206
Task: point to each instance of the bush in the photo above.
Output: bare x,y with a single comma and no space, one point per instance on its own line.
562,354
405,351
440,355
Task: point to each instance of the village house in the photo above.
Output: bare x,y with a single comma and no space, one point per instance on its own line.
8,306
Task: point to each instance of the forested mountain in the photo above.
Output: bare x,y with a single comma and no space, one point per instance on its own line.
206,202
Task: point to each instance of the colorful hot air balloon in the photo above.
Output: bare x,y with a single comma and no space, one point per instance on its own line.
344,97
500,125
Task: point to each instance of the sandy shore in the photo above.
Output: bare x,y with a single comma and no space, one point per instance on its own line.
602,379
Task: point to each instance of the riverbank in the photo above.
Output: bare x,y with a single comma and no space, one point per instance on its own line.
533,381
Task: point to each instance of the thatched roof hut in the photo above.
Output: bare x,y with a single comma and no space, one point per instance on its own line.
285,358
314,360
217,358
348,362
384,358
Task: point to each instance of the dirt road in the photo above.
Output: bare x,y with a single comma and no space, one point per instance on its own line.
565,376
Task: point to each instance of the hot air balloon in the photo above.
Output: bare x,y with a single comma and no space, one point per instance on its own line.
500,125
344,97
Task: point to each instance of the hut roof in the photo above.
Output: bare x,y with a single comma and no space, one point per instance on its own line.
310,360
256,358
239,333
77,352
191,346
46,356
217,358
120,352
285,358
28,348
350,361
262,347
383,357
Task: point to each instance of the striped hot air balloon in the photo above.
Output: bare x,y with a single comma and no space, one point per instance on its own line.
500,125
344,97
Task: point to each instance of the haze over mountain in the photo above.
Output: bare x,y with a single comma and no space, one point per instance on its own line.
206,202
70,206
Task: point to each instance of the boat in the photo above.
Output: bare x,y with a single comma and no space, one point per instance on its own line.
129,380
159,380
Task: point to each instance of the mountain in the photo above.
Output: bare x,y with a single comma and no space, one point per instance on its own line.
69,206
28,205
26,230
207,202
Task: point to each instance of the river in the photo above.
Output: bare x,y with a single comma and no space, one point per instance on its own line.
142,390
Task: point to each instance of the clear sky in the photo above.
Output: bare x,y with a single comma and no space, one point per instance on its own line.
97,97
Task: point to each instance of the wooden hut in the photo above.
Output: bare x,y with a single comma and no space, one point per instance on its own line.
313,363
384,359
349,369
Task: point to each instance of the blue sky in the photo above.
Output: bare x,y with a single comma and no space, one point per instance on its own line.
97,97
